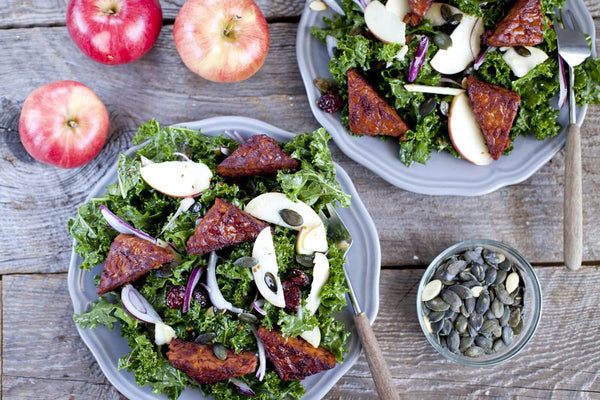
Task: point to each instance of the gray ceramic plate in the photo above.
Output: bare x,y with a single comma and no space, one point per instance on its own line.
443,174
364,260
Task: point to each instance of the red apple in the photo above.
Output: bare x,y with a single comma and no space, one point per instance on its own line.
114,31
63,123
222,40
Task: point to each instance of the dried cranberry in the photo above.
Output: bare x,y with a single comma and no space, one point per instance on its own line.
292,295
330,102
175,296
298,277
201,296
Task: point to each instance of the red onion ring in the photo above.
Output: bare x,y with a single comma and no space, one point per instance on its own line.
123,227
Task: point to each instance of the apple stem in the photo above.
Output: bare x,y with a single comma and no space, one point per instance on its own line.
228,31
72,123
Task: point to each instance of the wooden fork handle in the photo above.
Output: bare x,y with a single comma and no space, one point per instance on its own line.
386,389
573,218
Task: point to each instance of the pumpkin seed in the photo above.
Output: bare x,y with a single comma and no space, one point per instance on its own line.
437,304
460,325
247,317
291,217
305,260
431,290
427,106
512,282
325,86
515,317
497,308
452,299
453,341
442,40
522,51
462,291
478,271
219,351
490,275
483,303
493,258
271,282
474,351
246,262
476,290
507,335
204,338
484,342
436,316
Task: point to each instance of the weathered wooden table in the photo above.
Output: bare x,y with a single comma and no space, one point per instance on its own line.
42,354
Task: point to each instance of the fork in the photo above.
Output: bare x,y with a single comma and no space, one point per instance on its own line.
386,389
574,49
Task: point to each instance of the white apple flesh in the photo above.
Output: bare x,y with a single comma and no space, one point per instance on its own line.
434,14
384,24
313,301
465,133
466,44
177,178
521,65
222,40
264,251
398,7
63,123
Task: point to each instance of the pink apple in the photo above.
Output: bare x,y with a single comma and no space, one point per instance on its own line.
222,40
114,31
63,123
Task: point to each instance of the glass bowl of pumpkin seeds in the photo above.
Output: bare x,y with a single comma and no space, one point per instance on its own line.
479,302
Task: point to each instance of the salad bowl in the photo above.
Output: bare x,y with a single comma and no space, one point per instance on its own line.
364,260
443,174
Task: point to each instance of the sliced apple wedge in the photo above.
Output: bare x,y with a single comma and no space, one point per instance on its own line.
313,301
177,178
277,208
313,336
434,14
451,91
266,272
384,24
465,133
521,65
398,7
466,44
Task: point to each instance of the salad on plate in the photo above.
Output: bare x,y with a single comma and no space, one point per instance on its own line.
217,267
466,77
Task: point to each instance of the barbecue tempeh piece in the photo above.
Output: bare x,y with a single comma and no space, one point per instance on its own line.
259,155
200,363
522,26
223,225
130,258
495,108
369,114
294,358
418,9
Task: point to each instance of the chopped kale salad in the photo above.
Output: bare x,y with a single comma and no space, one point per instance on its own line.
389,66
133,201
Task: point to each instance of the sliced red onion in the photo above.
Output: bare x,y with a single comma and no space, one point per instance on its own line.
334,6
212,287
331,43
362,3
481,57
191,285
242,387
262,357
138,306
562,83
444,79
184,205
417,62
123,227
257,306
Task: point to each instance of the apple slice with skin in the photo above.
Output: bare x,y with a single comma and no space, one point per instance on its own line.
465,133
271,207
384,24
177,178
398,7
266,272
466,44
521,65
320,277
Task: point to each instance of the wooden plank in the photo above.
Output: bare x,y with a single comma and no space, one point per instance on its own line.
16,13
52,12
559,361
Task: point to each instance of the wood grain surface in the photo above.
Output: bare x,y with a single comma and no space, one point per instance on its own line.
42,354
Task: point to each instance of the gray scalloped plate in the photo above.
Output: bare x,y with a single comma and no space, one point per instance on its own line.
443,174
364,260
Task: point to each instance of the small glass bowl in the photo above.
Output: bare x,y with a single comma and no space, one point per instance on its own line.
532,303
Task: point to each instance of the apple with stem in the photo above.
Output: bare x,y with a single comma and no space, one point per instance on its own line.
63,123
114,31
222,40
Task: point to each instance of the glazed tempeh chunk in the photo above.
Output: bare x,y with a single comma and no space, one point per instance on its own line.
223,225
199,362
418,9
259,155
130,258
495,108
294,358
369,114
522,26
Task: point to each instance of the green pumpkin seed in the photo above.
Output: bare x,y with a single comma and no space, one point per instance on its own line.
219,351
431,290
474,351
291,217
325,86
271,282
246,262
204,338
305,260
442,40
507,335
247,317
437,304
522,51
427,106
